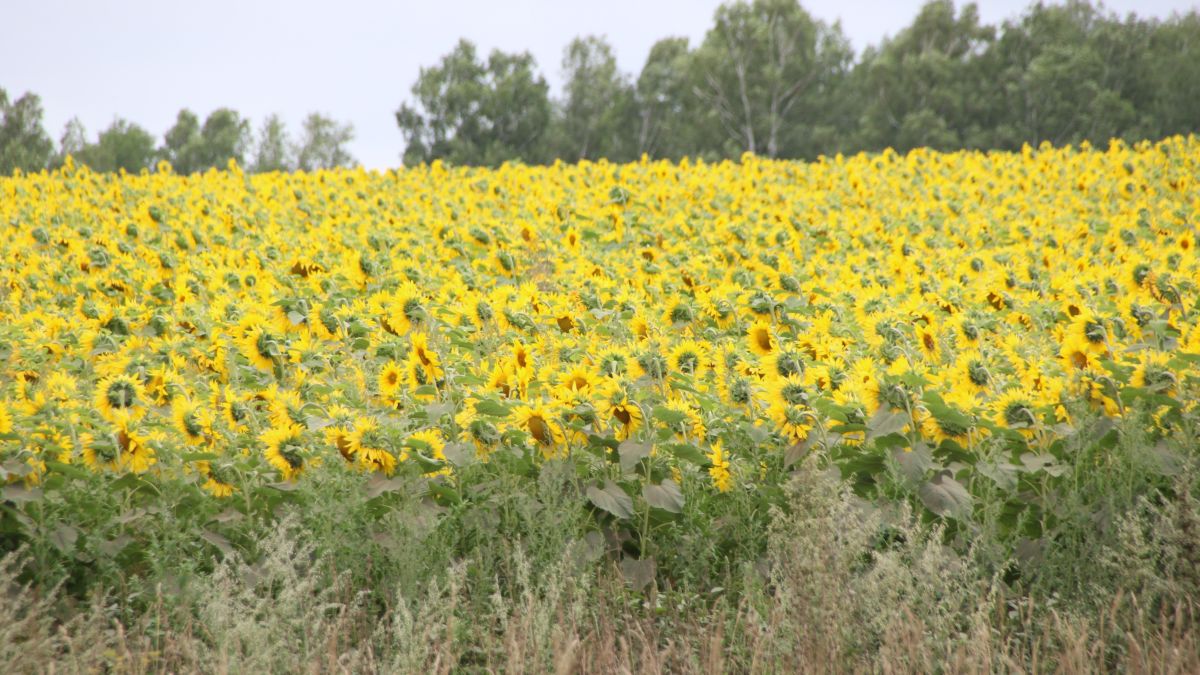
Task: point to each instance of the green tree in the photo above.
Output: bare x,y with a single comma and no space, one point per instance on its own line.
72,142
274,149
598,114
1057,80
469,112
191,147
224,136
122,145
768,71
181,143
323,144
24,143
1173,76
921,85
664,101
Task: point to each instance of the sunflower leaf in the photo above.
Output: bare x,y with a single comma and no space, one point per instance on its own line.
611,498
665,496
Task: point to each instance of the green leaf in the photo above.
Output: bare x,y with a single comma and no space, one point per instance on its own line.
283,486
914,463
114,546
666,496
886,422
945,496
668,416
66,469
379,484
315,423
20,494
217,540
493,408
444,492
639,574
612,498
687,453
631,453
459,454
64,538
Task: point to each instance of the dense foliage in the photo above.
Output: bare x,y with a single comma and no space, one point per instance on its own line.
767,78
954,330
264,390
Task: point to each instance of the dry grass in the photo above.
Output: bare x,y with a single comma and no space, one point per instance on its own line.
833,599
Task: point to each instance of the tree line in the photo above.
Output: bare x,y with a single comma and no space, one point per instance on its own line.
189,145
770,79
767,78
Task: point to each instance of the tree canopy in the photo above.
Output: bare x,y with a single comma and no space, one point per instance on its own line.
767,78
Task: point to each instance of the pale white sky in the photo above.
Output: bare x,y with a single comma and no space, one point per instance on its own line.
353,59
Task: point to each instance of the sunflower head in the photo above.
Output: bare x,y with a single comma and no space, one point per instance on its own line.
120,396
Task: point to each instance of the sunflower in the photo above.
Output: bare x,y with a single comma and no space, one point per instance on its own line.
650,363
338,435
789,391
162,385
120,397
614,362
690,358
233,409
501,378
103,454
405,310
263,349
6,420
432,444
479,429
193,422
625,416
324,322
135,453
1079,355
215,482
679,312
391,378
418,375
927,341
1088,332
539,422
576,382
286,407
761,338
889,393
971,375
719,471
285,449
368,446
947,427
421,353
1016,409
783,362
1154,372
478,310
794,421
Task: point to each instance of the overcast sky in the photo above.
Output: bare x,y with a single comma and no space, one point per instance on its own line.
352,59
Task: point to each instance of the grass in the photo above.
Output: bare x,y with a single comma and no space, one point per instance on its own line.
519,580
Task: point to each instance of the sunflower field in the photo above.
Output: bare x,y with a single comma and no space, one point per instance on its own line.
961,333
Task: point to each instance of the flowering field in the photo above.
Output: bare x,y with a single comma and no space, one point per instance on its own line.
625,363
936,323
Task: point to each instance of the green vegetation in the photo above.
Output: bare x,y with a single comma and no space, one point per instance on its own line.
767,78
